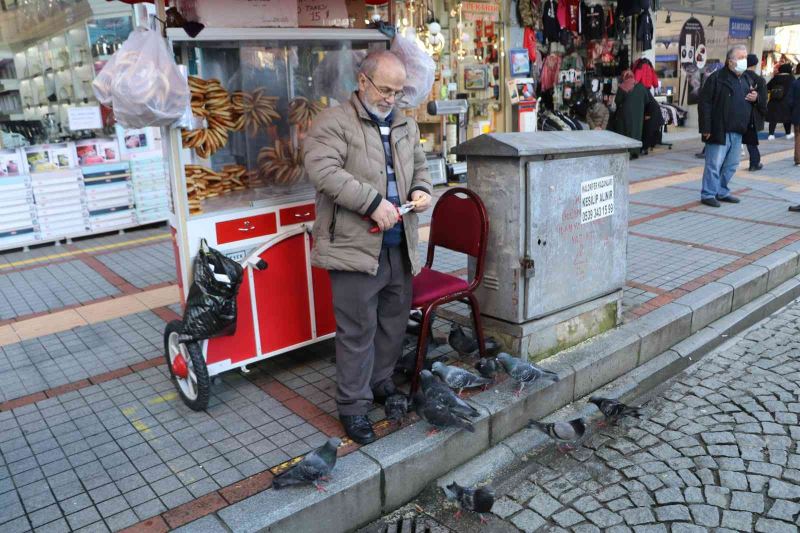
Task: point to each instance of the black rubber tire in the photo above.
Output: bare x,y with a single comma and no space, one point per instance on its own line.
198,367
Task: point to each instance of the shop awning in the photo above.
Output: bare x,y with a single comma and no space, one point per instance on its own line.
774,12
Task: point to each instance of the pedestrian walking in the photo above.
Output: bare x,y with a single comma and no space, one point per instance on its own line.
365,159
724,112
750,138
778,109
630,101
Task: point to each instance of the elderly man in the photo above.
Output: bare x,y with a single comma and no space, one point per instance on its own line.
725,111
365,159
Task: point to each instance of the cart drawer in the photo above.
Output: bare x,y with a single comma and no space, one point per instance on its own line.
246,228
297,214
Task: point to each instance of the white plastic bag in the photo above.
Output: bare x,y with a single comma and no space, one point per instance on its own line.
420,70
142,83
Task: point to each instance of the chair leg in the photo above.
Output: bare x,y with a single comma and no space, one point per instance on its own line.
422,345
477,324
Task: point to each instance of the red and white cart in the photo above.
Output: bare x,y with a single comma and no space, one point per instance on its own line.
288,304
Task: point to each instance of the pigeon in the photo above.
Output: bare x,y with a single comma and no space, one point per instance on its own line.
414,326
524,372
613,409
458,378
491,346
406,364
435,389
460,342
487,367
396,407
566,434
314,467
476,499
438,414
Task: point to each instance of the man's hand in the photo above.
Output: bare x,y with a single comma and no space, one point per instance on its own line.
385,216
422,201
706,136
752,96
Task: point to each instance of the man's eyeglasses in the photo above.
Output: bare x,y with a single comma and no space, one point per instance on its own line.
386,95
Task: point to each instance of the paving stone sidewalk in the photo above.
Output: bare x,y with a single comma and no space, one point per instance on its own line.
716,451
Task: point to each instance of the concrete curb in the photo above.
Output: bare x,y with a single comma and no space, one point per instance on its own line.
625,362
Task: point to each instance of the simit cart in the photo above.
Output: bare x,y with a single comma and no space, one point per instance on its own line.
238,182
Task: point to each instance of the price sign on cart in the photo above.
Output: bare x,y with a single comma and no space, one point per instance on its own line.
597,199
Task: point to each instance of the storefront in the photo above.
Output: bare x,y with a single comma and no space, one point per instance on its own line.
65,169
690,47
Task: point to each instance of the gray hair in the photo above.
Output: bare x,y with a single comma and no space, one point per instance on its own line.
733,51
374,60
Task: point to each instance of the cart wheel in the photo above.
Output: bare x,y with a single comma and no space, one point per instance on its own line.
186,367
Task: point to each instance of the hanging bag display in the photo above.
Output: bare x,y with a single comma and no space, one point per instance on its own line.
211,304
142,83
420,70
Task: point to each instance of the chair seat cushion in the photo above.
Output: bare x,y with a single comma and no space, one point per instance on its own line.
430,285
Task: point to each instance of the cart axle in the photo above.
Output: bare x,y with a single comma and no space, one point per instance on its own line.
179,367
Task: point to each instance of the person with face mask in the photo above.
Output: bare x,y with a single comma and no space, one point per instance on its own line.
364,158
725,112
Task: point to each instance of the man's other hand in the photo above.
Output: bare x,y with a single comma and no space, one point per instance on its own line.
422,201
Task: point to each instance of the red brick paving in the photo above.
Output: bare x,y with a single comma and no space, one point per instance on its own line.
151,525
67,387
190,511
247,487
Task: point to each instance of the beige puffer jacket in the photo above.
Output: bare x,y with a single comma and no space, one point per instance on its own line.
343,155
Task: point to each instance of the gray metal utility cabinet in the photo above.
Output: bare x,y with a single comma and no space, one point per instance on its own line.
558,228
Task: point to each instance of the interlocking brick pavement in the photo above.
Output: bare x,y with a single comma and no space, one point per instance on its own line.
143,266
50,287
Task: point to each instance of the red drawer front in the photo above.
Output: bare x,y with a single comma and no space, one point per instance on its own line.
246,228
296,215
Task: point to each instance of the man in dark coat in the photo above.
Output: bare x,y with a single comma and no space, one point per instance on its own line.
631,100
724,111
794,104
750,138
778,109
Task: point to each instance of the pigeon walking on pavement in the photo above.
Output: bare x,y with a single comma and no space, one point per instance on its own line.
438,414
476,499
487,367
435,389
614,410
524,372
460,342
566,434
314,467
396,407
458,378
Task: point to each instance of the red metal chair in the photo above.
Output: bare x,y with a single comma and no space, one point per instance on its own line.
459,223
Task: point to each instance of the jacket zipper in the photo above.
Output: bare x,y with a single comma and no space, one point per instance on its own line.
332,227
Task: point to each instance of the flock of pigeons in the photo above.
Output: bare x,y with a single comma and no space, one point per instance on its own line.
438,402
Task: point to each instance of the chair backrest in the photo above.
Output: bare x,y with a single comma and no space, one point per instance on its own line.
460,223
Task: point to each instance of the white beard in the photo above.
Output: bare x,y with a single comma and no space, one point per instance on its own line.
375,111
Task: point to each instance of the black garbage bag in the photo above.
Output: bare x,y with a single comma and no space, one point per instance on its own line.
211,304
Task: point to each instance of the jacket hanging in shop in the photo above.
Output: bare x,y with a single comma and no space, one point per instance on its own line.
594,23
644,30
569,17
550,26
530,14
550,69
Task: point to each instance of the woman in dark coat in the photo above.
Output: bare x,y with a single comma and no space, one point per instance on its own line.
631,100
778,109
653,122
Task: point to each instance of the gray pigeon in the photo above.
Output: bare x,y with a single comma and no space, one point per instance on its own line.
458,378
314,467
438,415
487,367
435,389
460,342
524,372
566,434
613,410
476,499
396,407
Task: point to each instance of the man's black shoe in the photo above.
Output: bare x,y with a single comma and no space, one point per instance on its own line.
756,167
711,202
358,428
794,208
731,199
